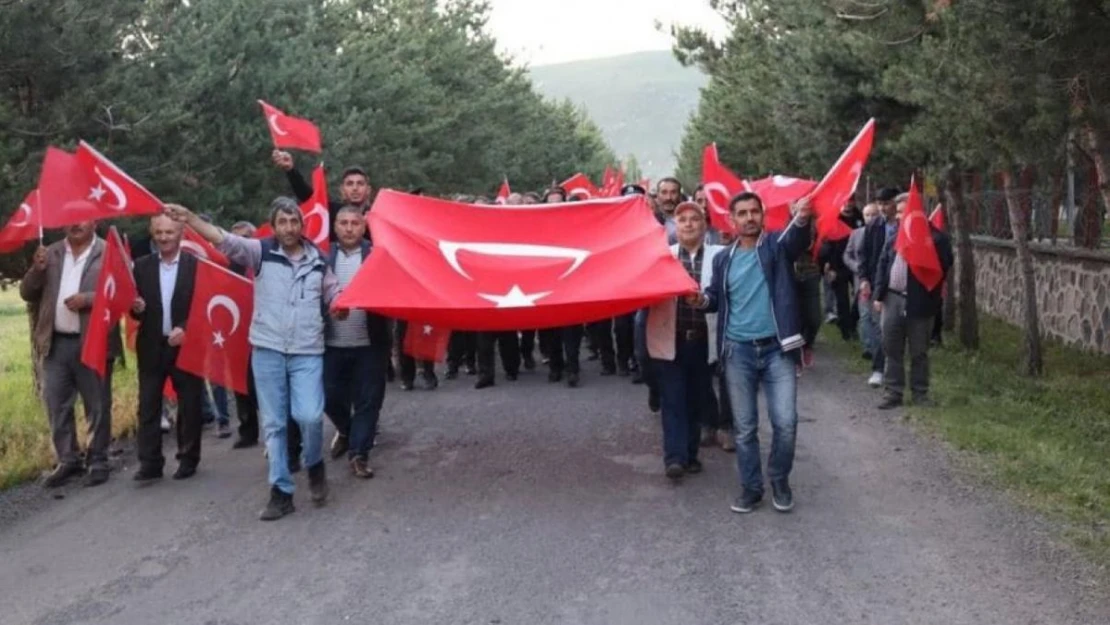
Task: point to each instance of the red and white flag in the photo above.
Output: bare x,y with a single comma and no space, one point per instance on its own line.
915,242
614,180
291,132
939,218
839,185
720,186
115,293
777,194
23,225
426,342
198,246
469,267
216,345
87,186
579,186
504,192
317,220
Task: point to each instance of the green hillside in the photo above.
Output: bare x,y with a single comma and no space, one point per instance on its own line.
641,101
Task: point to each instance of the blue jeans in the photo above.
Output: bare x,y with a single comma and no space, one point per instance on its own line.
869,332
214,406
684,384
289,386
747,365
354,385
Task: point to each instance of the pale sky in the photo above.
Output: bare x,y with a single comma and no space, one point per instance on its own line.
542,32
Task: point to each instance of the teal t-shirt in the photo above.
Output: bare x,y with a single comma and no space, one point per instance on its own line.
750,316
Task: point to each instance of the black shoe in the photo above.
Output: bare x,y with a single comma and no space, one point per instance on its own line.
782,498
244,443
554,376
653,400
572,379
95,477
61,474
145,474
674,471
483,382
429,382
529,363
470,369
452,374
318,483
694,467
891,401
185,471
280,504
746,502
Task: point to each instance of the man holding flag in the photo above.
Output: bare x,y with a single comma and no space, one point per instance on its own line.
908,282
60,287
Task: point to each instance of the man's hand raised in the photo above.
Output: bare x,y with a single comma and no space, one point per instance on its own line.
282,160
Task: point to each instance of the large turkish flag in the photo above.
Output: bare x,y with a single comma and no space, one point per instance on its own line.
217,346
468,267
115,293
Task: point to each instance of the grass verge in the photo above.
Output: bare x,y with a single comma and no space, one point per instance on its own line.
1047,440
25,448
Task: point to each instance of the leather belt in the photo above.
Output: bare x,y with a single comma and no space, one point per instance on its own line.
693,335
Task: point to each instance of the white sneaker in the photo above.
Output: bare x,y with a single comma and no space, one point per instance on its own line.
876,379
166,425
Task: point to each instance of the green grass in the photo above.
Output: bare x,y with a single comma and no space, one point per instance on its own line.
25,448
1046,441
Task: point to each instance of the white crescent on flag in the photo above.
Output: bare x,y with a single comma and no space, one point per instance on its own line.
25,211
451,251
223,301
274,125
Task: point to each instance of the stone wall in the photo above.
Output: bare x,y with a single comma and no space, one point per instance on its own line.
1073,290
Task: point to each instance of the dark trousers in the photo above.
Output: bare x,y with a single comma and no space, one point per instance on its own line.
408,363
507,346
354,390
152,379
565,344
718,409
462,350
809,305
899,333
624,330
601,333
685,384
64,379
845,314
528,345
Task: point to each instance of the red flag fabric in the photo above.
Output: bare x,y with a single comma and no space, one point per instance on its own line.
317,220
23,225
115,293
470,267
168,391
838,186
579,186
777,194
87,186
939,218
216,345
291,132
720,186
915,242
426,342
613,183
263,231
504,192
198,246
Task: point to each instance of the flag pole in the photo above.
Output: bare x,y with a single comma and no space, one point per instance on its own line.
38,202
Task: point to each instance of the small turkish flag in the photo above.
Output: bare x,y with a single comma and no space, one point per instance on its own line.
614,180
317,220
915,242
291,132
939,218
196,245
23,225
720,186
426,342
777,194
839,185
115,293
86,186
504,192
579,186
217,346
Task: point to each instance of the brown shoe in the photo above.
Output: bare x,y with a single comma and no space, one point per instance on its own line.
360,468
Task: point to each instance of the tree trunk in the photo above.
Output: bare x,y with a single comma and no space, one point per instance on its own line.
1019,224
963,288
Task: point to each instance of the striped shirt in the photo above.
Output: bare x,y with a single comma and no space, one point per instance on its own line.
898,275
352,331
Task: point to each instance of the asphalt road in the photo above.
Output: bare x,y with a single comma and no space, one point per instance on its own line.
531,503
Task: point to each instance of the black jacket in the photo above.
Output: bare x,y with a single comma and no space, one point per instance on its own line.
303,190
920,302
148,282
832,252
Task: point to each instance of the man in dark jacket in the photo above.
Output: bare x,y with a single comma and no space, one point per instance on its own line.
875,236
354,188
907,309
837,275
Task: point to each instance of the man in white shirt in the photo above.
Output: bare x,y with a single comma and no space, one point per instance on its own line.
60,287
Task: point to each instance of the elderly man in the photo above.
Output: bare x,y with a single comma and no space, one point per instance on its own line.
165,282
681,341
293,287
60,286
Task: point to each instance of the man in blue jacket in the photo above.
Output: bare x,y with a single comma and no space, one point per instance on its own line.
758,325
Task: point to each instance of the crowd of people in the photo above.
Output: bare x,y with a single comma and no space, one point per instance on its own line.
703,358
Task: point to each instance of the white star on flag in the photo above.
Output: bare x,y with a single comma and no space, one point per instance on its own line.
97,192
427,330
218,339
515,298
